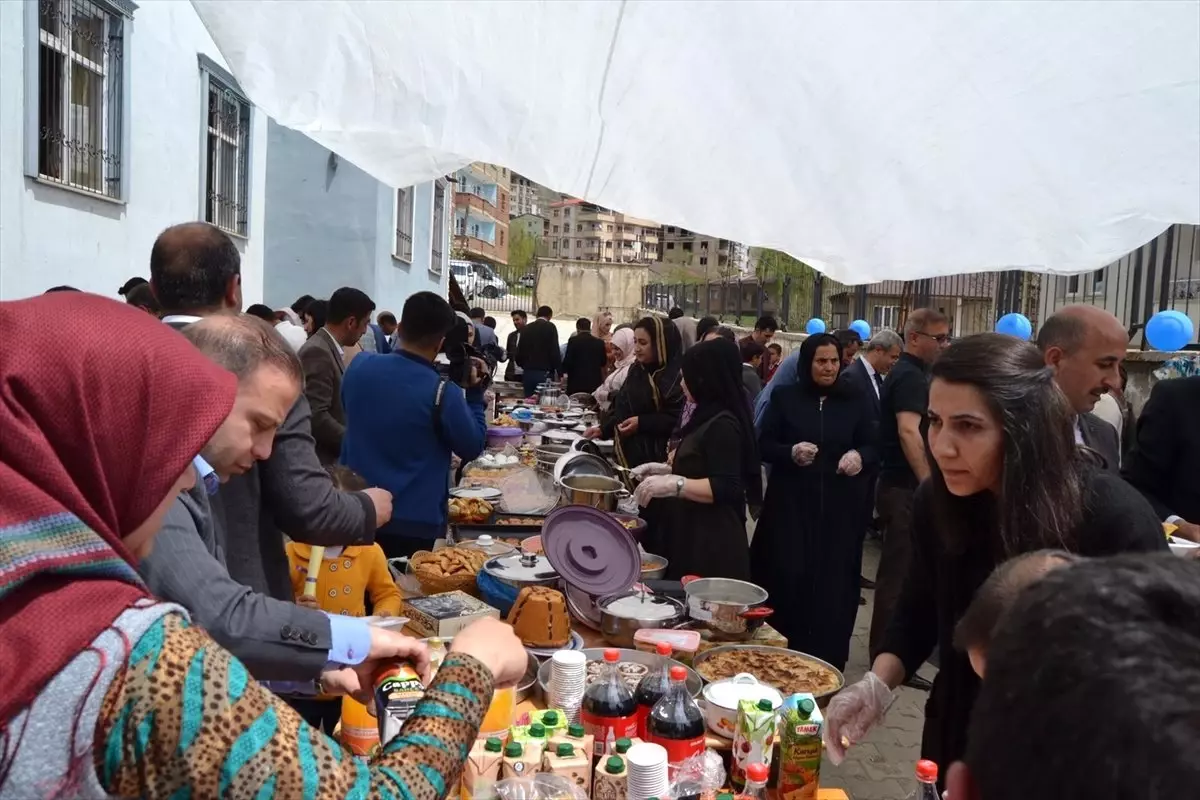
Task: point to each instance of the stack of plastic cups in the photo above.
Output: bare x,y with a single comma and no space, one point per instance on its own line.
647,771
568,675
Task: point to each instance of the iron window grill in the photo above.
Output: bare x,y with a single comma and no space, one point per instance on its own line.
403,248
437,232
227,159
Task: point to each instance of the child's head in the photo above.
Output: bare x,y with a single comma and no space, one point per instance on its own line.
997,594
346,479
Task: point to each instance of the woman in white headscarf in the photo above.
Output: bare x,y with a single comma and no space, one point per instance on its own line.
622,343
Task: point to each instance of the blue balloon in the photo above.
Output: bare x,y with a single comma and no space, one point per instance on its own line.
1170,330
1017,325
814,326
862,328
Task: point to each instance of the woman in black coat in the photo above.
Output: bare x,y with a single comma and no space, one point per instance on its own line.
701,494
817,435
1006,478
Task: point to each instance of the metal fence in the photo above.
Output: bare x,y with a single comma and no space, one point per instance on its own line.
497,288
1162,274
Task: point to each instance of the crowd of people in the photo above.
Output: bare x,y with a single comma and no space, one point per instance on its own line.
1021,531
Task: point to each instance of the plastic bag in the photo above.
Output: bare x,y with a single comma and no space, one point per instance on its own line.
491,468
542,786
699,774
528,491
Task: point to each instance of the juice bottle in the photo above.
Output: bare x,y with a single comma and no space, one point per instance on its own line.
500,713
652,687
609,711
676,721
482,769
398,688
437,654
360,730
571,764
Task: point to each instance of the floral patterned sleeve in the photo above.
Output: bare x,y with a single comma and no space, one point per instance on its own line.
185,720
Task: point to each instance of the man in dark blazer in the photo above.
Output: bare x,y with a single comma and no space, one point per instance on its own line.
585,359
1164,463
1085,346
513,346
195,271
538,353
322,357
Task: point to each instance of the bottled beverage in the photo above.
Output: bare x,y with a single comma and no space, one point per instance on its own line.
927,775
756,781
437,654
652,687
676,721
608,711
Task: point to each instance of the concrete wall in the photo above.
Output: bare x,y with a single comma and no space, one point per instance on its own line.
50,235
330,224
580,288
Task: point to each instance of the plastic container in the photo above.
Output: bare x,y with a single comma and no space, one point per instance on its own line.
500,437
684,644
359,729
927,775
488,545
676,722
756,782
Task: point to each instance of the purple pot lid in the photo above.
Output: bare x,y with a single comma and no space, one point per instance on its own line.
591,550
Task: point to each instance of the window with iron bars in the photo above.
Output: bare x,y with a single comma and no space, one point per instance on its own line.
227,158
402,248
81,95
437,232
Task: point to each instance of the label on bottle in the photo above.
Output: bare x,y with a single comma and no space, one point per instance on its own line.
680,750
608,729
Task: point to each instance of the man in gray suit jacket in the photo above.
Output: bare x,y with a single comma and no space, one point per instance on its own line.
195,272
1085,346
322,358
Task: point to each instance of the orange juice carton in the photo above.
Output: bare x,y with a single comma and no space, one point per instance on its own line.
800,724
753,738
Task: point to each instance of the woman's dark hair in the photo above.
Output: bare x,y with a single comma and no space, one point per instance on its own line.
1040,501
808,354
302,303
129,285
318,310
142,296
704,325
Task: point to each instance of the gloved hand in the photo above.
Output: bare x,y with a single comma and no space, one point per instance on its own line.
804,453
853,712
646,470
850,463
656,486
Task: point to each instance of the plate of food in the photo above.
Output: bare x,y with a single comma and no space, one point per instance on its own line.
789,671
469,510
475,493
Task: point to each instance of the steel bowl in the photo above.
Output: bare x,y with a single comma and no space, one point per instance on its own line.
730,609
653,567
596,491
694,682
619,629
822,698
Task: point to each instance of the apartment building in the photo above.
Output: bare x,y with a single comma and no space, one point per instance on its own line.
524,194
481,213
583,231
700,255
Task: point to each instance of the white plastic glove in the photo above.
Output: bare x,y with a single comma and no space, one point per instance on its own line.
850,463
656,486
853,712
804,453
646,470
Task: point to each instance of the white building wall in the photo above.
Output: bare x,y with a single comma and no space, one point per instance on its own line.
50,235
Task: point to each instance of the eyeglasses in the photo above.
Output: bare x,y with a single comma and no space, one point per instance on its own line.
941,338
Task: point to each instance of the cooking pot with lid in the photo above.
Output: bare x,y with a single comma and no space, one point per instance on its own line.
731,609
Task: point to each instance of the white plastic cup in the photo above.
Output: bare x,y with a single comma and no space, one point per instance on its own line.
647,771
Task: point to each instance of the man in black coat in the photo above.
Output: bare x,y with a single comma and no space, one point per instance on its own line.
585,359
1165,461
513,345
1086,345
538,354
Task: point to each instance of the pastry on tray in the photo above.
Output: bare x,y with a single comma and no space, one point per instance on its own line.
540,617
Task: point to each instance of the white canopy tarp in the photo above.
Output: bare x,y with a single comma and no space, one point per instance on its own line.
872,140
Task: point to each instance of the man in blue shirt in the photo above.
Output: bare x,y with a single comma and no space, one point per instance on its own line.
403,422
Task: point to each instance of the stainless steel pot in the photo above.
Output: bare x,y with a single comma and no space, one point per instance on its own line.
730,609
623,615
596,491
522,569
653,567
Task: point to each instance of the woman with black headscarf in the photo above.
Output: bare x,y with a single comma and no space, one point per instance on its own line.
647,408
701,496
817,435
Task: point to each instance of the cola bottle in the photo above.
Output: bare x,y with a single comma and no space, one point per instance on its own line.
676,721
652,687
608,711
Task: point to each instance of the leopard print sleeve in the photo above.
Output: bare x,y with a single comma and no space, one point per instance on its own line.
184,720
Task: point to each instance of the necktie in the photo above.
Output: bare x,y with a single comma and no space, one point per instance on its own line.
878,381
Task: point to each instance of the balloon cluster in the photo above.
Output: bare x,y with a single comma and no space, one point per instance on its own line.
1170,330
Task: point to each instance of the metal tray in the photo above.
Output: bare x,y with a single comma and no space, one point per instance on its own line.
694,682
473,530
822,699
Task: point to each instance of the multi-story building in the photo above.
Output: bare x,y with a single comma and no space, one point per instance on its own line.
583,231
329,224
111,131
534,226
481,212
700,255
526,196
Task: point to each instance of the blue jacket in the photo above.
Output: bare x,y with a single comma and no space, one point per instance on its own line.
390,440
381,341
784,376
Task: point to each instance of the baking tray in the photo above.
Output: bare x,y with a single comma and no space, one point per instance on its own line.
493,528
822,699
694,682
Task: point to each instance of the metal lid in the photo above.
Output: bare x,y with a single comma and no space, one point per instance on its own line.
521,567
591,550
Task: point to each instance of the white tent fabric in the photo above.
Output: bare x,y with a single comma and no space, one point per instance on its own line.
873,140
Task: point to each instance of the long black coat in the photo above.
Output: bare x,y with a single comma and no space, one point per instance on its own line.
806,547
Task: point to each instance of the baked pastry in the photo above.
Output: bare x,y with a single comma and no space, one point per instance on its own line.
540,617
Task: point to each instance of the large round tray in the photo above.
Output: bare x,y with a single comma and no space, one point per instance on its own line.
694,682
822,699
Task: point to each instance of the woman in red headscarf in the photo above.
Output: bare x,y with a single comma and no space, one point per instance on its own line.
108,692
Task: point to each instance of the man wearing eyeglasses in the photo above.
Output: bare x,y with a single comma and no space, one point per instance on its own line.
903,403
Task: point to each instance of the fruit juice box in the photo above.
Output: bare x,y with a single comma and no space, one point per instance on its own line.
753,738
800,724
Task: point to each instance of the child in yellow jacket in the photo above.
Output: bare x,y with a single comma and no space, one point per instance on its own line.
347,577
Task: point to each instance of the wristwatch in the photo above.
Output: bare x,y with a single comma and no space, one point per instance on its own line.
678,486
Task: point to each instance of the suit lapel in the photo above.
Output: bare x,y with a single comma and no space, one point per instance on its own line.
333,351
